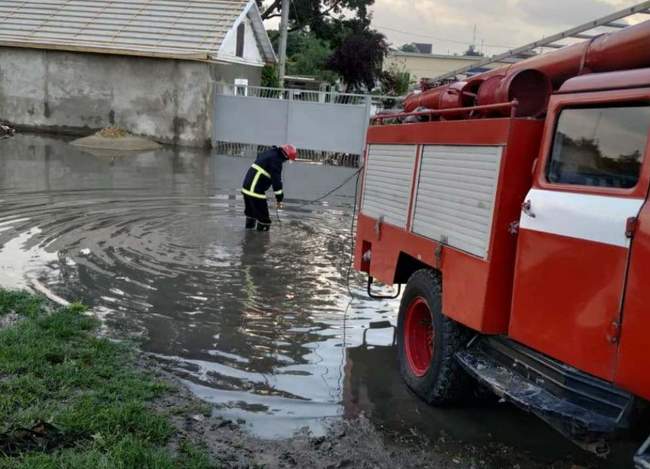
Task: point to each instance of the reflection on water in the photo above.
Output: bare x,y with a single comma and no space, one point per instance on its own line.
259,324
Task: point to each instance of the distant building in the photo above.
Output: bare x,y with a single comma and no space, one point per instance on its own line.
149,67
423,48
430,65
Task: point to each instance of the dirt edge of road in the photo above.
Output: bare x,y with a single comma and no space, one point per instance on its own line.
353,443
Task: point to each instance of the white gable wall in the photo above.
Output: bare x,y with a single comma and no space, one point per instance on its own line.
251,49
252,55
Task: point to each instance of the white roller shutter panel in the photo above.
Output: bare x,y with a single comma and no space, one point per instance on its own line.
388,182
455,195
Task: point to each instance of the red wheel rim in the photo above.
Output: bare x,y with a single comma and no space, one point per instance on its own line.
418,336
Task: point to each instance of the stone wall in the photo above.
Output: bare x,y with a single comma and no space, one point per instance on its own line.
78,93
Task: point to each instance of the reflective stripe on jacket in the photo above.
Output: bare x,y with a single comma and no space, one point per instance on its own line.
264,173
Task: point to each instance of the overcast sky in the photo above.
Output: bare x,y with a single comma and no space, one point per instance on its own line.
449,24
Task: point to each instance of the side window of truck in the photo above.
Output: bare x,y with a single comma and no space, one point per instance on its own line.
599,146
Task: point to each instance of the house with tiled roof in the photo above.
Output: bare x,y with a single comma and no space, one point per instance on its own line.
149,66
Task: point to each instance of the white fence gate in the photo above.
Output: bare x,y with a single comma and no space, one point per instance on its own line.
320,122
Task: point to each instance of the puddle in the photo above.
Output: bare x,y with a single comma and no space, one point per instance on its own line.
258,324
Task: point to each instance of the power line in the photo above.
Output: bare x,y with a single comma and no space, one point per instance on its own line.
411,33
439,39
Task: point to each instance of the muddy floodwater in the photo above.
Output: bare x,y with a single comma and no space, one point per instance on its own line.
261,325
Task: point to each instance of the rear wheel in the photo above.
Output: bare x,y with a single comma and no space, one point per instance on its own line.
427,342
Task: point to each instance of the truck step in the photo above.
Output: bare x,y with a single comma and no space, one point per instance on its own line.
582,407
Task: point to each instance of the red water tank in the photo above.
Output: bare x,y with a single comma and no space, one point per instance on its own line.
531,88
461,94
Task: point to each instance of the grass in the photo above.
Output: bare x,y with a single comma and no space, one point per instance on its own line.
71,400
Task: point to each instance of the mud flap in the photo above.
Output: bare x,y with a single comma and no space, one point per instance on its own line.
582,408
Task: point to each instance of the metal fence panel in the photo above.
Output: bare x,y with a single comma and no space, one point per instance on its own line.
326,122
241,119
328,127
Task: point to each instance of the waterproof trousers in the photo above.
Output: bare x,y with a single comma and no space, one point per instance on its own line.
257,212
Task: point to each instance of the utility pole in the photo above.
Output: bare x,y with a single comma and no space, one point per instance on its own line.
284,29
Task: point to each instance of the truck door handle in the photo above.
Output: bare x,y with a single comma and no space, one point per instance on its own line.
526,208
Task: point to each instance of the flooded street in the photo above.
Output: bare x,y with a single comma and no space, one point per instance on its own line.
261,325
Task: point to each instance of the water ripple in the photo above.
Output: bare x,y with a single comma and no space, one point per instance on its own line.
163,256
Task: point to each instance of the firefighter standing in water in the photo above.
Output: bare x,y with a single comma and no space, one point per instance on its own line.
265,172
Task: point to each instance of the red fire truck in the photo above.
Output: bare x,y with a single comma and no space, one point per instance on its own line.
513,207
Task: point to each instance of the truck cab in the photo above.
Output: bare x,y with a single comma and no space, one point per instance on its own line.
578,293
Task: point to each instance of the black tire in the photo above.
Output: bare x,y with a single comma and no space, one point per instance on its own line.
443,381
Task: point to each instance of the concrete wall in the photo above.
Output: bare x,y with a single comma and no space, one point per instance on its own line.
168,100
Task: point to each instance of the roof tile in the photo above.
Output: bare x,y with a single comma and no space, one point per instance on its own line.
166,27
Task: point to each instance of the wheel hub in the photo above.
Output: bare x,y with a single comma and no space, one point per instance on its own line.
418,336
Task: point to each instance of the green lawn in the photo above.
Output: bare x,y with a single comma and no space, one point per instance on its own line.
71,400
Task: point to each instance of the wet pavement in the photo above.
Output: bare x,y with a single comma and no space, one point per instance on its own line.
259,324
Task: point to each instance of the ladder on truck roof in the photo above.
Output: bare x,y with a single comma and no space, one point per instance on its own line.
584,32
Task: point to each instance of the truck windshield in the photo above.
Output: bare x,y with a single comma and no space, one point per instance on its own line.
601,147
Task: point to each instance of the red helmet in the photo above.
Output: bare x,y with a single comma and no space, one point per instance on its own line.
289,151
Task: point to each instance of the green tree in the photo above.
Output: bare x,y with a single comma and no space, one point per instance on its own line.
394,82
331,37
358,60
316,15
311,59
472,52
294,40
270,76
408,48
306,54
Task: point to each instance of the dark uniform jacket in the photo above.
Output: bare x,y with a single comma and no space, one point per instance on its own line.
264,173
